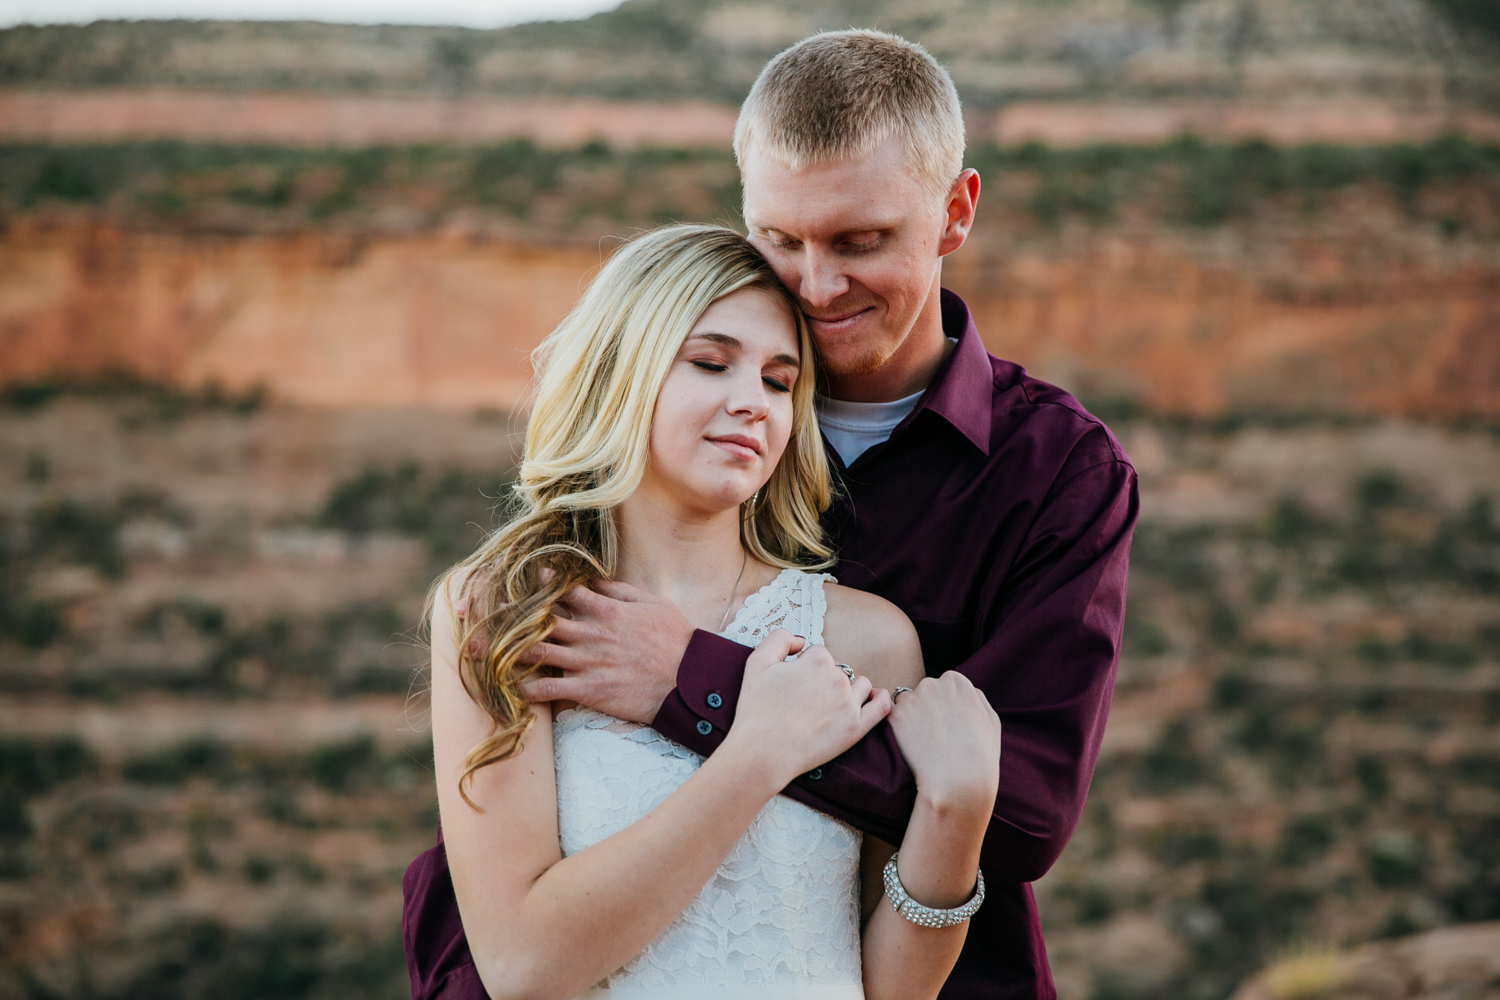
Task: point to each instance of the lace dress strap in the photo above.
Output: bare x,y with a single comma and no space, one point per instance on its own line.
793,601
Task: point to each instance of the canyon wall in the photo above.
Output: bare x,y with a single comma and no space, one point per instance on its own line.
445,319
317,318
122,114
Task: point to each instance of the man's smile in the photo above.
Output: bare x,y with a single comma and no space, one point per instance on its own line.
838,322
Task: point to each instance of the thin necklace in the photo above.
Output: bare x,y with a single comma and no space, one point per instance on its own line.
744,561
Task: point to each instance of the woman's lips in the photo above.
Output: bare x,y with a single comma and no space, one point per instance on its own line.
738,445
838,324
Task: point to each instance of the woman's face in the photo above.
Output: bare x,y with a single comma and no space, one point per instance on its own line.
725,410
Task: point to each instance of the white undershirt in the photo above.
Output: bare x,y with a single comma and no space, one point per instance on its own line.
855,428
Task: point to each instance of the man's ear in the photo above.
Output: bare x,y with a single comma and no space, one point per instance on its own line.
963,201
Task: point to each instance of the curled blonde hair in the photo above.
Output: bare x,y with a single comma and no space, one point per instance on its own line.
587,448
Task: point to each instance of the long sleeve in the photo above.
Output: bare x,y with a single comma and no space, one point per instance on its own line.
1050,645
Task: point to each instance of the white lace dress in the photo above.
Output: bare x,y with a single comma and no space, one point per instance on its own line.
780,918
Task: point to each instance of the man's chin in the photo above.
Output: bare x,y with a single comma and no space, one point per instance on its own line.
854,365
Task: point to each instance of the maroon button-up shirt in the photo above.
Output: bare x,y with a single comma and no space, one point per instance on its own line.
998,516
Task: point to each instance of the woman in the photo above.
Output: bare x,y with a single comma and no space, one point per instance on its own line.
673,446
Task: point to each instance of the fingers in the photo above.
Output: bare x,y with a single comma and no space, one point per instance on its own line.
586,601
540,689
861,687
778,646
562,657
871,712
570,630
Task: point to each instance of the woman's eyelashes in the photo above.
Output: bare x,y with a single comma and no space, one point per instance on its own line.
777,383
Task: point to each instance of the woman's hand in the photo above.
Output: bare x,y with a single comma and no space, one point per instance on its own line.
950,736
796,715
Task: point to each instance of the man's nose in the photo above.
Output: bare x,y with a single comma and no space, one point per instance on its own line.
823,279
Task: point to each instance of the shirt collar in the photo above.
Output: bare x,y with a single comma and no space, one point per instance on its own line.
963,390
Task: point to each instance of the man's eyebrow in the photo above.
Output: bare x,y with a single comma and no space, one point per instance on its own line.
734,344
880,226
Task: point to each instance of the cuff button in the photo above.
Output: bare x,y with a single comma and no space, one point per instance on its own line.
816,774
705,727
714,701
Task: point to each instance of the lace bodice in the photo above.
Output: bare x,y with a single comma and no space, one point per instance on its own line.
782,912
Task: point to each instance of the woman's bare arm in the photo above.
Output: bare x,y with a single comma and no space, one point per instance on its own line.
940,852
871,635
540,925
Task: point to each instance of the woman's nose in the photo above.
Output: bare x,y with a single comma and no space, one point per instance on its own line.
750,398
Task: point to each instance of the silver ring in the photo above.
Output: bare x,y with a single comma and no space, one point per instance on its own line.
899,692
848,671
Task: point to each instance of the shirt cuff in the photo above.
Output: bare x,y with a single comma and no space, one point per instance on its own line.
699,711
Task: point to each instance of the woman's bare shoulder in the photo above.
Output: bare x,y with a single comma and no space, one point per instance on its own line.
872,635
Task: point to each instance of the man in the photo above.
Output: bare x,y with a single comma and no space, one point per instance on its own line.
989,506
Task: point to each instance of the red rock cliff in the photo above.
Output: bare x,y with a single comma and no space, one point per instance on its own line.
439,320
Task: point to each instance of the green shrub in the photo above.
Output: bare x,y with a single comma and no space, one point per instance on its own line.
1370,772
1479,769
40,626
1379,489
1232,691
201,756
15,824
1305,839
1291,522
1144,637
32,765
1172,763
1180,847
339,766
76,533
259,869
1476,849
1395,858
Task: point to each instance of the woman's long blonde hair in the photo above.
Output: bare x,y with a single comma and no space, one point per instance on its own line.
587,447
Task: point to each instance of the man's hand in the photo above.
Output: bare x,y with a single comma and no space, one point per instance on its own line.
618,649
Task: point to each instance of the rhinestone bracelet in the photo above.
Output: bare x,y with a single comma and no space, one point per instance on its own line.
928,916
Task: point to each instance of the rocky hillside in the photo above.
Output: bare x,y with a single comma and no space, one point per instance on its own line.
212,773
1188,279
1399,51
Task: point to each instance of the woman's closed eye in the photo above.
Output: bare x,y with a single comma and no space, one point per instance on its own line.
776,383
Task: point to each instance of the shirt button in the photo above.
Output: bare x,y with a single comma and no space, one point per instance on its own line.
816,774
705,727
714,701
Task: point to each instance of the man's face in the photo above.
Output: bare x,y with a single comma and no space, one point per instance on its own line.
858,241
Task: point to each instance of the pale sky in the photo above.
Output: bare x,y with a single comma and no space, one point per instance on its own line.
470,13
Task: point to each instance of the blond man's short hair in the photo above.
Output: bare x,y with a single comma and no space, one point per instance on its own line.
841,94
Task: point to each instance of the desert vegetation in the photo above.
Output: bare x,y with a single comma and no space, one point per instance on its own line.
1450,185
215,763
